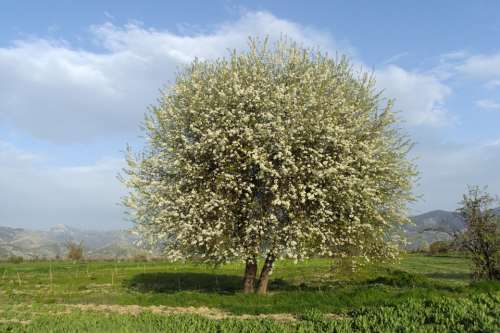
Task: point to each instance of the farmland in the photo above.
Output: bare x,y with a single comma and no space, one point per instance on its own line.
417,293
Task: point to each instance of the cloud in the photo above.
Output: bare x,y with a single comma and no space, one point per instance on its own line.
36,195
481,66
62,94
447,169
395,58
488,104
419,96
493,84
455,55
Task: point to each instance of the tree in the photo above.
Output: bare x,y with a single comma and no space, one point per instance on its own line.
423,247
276,152
440,246
75,250
481,237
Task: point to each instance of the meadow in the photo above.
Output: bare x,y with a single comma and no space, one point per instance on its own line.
419,293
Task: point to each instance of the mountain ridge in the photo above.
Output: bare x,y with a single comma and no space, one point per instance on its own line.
425,229
51,243
432,226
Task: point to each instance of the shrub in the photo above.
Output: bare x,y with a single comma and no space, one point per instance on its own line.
401,279
140,258
440,247
481,238
75,250
15,259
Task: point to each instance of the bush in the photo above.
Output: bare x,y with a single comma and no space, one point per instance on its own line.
15,259
140,258
481,238
401,279
440,247
75,250
423,247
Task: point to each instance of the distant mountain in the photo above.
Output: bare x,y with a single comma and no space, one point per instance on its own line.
51,243
425,229
434,226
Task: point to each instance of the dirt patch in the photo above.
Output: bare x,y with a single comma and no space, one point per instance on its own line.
14,321
166,310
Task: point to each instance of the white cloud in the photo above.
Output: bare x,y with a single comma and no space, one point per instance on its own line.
395,58
455,55
481,66
493,84
488,104
61,94
419,96
447,169
36,195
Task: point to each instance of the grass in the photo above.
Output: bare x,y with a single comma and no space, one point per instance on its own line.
31,293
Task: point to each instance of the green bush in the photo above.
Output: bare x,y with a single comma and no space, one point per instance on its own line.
15,259
398,278
440,247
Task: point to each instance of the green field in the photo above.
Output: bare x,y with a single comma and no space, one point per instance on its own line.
417,294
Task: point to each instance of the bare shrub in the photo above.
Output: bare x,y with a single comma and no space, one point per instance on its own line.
75,250
481,237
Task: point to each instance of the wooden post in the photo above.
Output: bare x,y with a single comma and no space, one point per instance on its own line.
50,277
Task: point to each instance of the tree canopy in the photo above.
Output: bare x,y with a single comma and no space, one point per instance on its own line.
278,151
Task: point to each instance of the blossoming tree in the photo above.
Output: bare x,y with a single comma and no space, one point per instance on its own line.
277,152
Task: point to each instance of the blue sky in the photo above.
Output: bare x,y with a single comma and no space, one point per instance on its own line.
76,78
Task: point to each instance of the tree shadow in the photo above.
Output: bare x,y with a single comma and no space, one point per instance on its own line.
173,282
449,275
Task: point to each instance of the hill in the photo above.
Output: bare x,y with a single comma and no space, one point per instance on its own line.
434,226
51,243
425,228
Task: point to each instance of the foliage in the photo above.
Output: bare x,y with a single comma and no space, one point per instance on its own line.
15,259
140,257
278,152
438,247
482,234
399,278
75,250
423,247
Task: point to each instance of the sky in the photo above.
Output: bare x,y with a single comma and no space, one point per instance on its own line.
77,76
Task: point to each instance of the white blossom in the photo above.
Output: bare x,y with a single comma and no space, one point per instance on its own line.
277,150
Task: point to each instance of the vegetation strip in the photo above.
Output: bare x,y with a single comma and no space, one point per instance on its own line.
167,310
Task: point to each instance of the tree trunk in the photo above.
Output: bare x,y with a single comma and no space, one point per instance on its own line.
264,275
250,274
